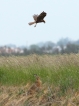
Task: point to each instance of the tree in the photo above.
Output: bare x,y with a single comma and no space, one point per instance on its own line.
34,49
72,48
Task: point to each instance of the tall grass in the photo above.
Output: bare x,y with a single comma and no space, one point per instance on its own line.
60,70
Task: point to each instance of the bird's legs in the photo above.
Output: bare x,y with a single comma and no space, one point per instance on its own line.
35,25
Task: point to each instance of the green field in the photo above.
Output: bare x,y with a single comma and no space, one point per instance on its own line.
56,71
60,70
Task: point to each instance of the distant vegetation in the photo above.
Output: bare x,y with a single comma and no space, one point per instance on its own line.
61,47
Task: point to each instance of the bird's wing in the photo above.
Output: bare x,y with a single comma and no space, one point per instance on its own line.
41,16
35,17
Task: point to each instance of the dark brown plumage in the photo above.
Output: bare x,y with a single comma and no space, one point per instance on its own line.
41,17
38,18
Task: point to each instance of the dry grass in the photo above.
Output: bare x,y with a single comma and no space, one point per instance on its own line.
16,96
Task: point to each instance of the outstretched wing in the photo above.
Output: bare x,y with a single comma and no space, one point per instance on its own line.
41,16
35,17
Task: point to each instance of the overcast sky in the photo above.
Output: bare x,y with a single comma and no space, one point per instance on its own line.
62,21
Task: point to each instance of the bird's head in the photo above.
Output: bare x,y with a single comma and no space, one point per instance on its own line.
37,77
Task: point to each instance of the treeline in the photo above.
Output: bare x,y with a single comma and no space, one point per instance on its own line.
61,47
69,48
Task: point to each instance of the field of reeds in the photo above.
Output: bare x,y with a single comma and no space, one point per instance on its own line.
59,75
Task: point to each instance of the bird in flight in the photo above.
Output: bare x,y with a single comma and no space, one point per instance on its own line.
38,18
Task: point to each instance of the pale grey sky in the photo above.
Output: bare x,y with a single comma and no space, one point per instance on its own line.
62,20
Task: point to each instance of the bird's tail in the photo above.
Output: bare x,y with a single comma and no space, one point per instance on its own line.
31,23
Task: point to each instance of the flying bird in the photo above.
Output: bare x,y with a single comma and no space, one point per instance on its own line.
38,18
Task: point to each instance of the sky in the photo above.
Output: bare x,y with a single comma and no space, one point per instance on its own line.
62,21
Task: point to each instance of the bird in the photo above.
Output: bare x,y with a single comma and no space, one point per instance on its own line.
38,18
36,86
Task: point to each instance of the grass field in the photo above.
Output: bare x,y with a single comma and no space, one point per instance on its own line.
59,72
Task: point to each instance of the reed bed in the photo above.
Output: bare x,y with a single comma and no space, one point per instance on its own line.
56,70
